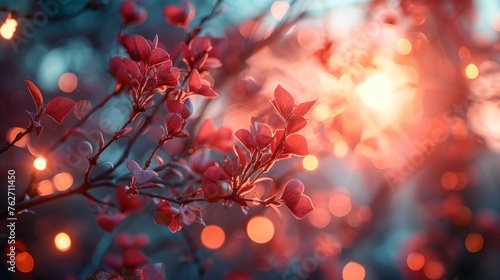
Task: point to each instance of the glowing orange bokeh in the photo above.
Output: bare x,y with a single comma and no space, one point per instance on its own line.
434,270
415,261
12,133
25,262
474,242
212,237
62,241
62,181
340,205
40,163
260,229
353,271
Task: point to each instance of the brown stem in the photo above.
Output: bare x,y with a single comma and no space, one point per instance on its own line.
19,136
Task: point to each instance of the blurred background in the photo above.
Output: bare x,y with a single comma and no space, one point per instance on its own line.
404,137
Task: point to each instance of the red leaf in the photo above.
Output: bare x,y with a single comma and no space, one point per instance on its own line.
174,123
215,173
232,167
153,271
300,206
283,101
241,155
296,144
304,107
58,108
131,13
127,204
207,129
124,241
35,94
185,109
206,90
134,258
158,56
194,81
200,161
109,221
246,138
82,108
140,175
295,123
141,240
263,133
143,48
293,188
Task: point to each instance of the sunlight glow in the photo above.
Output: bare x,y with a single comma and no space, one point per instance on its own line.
25,262
8,28
260,229
376,92
212,237
62,241
310,163
40,163
403,46
353,271
471,71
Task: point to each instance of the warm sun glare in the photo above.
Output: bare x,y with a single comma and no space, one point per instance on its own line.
376,92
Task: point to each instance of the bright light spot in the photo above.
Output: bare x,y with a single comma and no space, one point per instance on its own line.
434,270
463,216
415,261
340,205
319,217
353,271
321,112
40,163
68,82
471,71
25,262
11,135
260,230
279,9
310,162
449,180
474,242
340,148
403,46
376,92
45,187
62,241
8,28
62,181
212,237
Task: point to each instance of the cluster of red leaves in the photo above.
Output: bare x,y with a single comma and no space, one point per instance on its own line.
131,263
235,179
57,108
263,147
